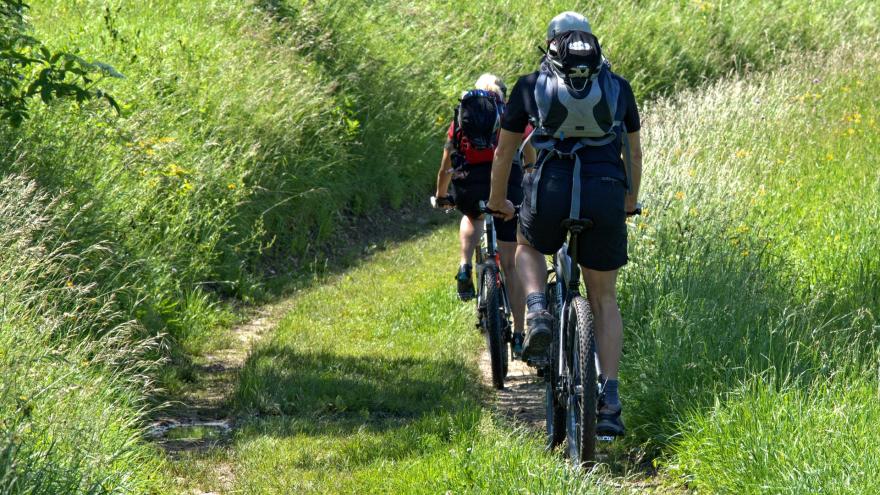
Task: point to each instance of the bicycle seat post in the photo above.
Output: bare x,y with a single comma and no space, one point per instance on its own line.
574,228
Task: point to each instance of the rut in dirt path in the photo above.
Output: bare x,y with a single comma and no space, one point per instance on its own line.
200,418
522,398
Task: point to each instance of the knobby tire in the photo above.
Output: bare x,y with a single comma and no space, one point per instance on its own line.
582,410
494,325
553,408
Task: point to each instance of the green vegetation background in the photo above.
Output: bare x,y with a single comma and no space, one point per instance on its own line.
251,127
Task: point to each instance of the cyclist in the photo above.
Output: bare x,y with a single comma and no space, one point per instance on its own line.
468,167
604,198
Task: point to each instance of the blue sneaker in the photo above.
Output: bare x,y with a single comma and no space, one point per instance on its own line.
466,290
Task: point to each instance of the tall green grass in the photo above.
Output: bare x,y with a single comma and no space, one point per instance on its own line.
251,125
752,296
70,409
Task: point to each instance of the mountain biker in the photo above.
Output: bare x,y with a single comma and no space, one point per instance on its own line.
604,198
468,169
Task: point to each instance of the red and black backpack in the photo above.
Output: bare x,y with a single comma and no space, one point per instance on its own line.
475,127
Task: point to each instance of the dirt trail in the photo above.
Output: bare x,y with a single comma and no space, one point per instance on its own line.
522,398
200,419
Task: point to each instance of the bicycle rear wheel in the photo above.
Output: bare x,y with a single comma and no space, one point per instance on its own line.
494,325
581,407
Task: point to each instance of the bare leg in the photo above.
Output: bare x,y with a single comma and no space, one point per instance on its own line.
514,287
602,290
469,233
531,266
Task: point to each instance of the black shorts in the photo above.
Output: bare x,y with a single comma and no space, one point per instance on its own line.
470,190
602,247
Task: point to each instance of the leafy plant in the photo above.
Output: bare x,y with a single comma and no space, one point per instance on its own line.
28,69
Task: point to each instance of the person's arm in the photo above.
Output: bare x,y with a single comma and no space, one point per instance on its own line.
508,143
444,175
635,179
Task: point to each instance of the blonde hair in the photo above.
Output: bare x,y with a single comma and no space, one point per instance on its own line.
491,82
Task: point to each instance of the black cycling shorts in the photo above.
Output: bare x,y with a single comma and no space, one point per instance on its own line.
470,190
602,247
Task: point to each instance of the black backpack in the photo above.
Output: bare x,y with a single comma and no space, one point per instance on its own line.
477,119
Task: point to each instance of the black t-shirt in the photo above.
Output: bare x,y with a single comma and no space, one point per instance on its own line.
601,161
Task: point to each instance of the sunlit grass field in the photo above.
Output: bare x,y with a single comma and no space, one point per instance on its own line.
251,127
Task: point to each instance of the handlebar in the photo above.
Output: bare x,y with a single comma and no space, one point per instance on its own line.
484,208
444,202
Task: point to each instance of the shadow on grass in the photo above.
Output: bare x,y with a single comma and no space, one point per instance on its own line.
278,380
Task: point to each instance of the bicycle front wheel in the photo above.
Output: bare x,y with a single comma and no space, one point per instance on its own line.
581,406
494,325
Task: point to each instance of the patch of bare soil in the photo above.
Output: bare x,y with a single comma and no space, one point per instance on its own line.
522,398
200,419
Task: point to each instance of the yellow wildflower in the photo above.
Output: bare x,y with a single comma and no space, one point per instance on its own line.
742,153
829,157
166,140
679,195
745,253
230,186
175,170
186,186
69,283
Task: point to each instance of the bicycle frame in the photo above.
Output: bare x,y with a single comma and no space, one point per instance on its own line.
487,255
568,275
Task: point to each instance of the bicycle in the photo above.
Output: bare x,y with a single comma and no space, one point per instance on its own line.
493,305
493,308
571,373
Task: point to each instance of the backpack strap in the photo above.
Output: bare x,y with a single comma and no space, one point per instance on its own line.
574,211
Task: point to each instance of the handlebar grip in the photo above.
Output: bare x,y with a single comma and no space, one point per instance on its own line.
442,202
637,211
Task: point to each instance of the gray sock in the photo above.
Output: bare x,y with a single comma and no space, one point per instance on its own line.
536,301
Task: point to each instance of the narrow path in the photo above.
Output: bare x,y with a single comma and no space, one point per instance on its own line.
522,398
201,418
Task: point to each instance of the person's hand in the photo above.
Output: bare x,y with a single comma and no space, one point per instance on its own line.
631,204
441,203
503,210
